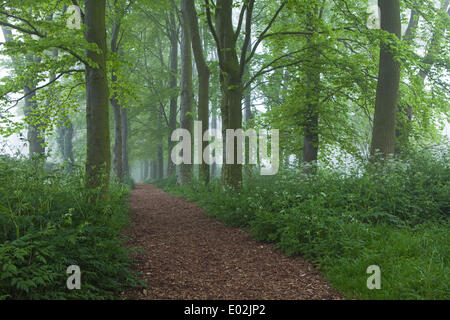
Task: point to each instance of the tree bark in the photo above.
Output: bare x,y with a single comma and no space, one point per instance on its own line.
248,115
186,115
160,159
311,116
173,108
231,87
214,164
117,149
311,133
64,139
35,136
125,129
98,162
383,134
147,170
248,92
203,83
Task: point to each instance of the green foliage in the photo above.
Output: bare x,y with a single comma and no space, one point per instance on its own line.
46,225
345,54
395,217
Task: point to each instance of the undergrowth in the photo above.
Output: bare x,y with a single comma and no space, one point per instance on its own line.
46,225
395,217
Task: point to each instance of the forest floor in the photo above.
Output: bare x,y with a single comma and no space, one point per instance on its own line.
189,255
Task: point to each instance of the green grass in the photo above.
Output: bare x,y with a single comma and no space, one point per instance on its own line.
46,225
396,218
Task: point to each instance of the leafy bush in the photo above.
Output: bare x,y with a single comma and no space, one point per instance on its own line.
395,217
46,225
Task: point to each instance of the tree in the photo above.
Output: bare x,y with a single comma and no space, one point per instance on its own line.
173,34
230,83
431,58
311,116
233,67
35,135
383,134
43,106
186,115
203,81
98,162
119,150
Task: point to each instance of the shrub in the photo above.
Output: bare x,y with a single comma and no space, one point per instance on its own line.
46,225
395,217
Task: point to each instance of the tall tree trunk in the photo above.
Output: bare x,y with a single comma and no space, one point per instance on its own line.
248,114
125,127
231,87
383,134
172,85
160,158
117,149
203,83
214,164
98,161
186,89
68,145
64,140
311,133
311,116
146,170
153,170
248,92
35,135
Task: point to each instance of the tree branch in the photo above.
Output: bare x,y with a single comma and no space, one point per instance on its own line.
262,35
248,36
211,26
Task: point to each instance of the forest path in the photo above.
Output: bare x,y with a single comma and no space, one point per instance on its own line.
191,256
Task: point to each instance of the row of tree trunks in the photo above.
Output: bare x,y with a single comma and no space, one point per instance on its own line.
151,169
